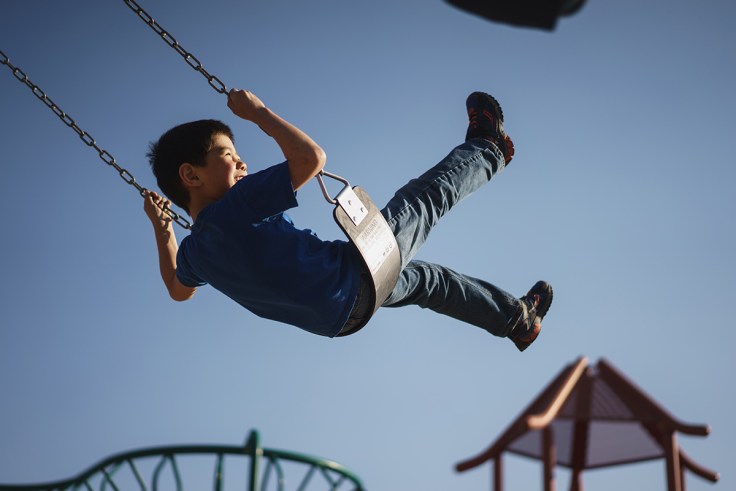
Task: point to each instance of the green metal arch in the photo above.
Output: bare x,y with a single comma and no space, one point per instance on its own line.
314,473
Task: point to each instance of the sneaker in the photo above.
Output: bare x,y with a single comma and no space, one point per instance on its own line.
486,121
534,306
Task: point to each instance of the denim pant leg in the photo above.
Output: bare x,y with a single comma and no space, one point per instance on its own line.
411,214
462,297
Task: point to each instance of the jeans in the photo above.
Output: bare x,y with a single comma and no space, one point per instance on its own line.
411,214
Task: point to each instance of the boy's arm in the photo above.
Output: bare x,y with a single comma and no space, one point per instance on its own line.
167,247
305,158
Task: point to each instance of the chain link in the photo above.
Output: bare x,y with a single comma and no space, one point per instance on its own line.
189,58
104,155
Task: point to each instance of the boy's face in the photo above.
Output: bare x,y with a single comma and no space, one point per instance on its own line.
222,169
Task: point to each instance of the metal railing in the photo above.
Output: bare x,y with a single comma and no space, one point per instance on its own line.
173,467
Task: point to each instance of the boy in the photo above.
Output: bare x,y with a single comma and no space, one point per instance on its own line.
243,244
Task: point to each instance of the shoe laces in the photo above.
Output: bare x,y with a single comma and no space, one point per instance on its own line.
532,302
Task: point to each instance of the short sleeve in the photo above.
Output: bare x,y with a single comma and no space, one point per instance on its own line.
184,272
267,192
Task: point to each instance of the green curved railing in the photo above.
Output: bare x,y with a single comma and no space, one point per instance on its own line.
176,467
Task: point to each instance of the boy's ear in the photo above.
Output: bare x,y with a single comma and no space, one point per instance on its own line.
188,175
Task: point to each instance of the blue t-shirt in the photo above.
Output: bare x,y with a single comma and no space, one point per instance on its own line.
245,246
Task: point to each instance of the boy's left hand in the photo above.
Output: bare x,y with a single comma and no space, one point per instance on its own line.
244,104
153,205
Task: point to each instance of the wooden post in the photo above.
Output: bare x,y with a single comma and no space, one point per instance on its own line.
581,430
498,474
672,455
576,482
550,458
682,474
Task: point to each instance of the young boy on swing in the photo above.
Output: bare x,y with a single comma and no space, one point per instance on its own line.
243,243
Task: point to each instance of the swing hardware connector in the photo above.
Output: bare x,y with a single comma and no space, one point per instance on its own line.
86,138
345,199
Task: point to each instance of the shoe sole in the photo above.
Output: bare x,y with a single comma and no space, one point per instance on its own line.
493,101
508,145
542,309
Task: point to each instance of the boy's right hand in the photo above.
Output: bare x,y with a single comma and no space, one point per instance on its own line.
153,205
244,104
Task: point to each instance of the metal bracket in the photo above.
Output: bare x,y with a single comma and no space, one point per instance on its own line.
345,199
349,201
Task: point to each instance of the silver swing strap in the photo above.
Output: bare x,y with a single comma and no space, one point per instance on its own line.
362,222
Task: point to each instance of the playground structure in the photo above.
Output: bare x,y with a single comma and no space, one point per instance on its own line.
183,467
593,417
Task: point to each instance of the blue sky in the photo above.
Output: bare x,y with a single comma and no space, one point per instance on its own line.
621,195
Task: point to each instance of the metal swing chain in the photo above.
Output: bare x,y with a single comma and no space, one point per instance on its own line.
104,155
191,60
214,82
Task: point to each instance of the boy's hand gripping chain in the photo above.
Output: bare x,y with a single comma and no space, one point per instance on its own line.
106,157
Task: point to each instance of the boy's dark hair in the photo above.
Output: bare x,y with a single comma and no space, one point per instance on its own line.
188,142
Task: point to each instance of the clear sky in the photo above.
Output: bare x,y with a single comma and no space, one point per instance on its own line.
621,195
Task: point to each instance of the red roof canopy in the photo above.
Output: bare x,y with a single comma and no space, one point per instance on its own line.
590,417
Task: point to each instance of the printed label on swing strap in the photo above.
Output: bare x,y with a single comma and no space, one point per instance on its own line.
376,242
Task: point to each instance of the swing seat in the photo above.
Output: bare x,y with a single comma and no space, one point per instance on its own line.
365,227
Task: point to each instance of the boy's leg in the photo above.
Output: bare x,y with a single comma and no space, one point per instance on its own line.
473,301
417,207
438,288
